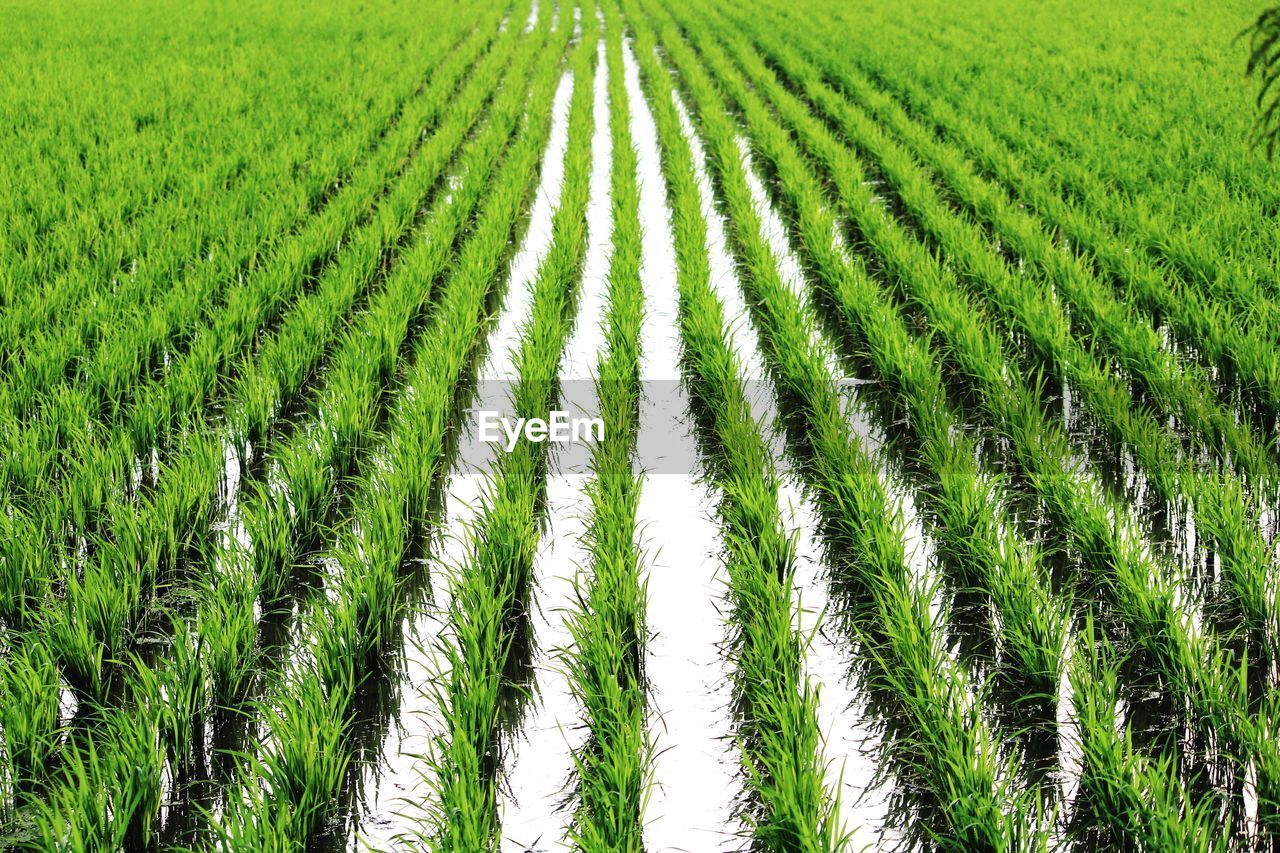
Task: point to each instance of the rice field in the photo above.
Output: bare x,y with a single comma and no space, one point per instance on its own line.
527,425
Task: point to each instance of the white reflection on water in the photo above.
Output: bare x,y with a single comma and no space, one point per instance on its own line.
695,761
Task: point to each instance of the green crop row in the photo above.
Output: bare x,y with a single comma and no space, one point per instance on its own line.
188,487
1218,501
141,164
1239,338
1177,389
606,663
971,529
1022,598
143,332
284,363
488,633
251,260
1157,130
789,806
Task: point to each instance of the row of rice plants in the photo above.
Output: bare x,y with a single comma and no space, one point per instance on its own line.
284,363
284,517
1221,505
696,762
310,466
115,292
946,740
136,167
144,315
788,803
971,527
1176,388
541,750
279,373
1100,316
1092,100
1222,326
286,512
1148,604
487,639
606,662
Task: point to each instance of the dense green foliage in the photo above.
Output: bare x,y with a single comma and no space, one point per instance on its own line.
252,261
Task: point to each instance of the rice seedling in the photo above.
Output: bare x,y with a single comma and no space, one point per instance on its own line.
972,529
134,218
1116,184
308,468
145,546
1175,388
1216,326
836,274
1136,801
696,776
1218,501
1163,168
288,364
156,405
110,792
31,705
788,804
